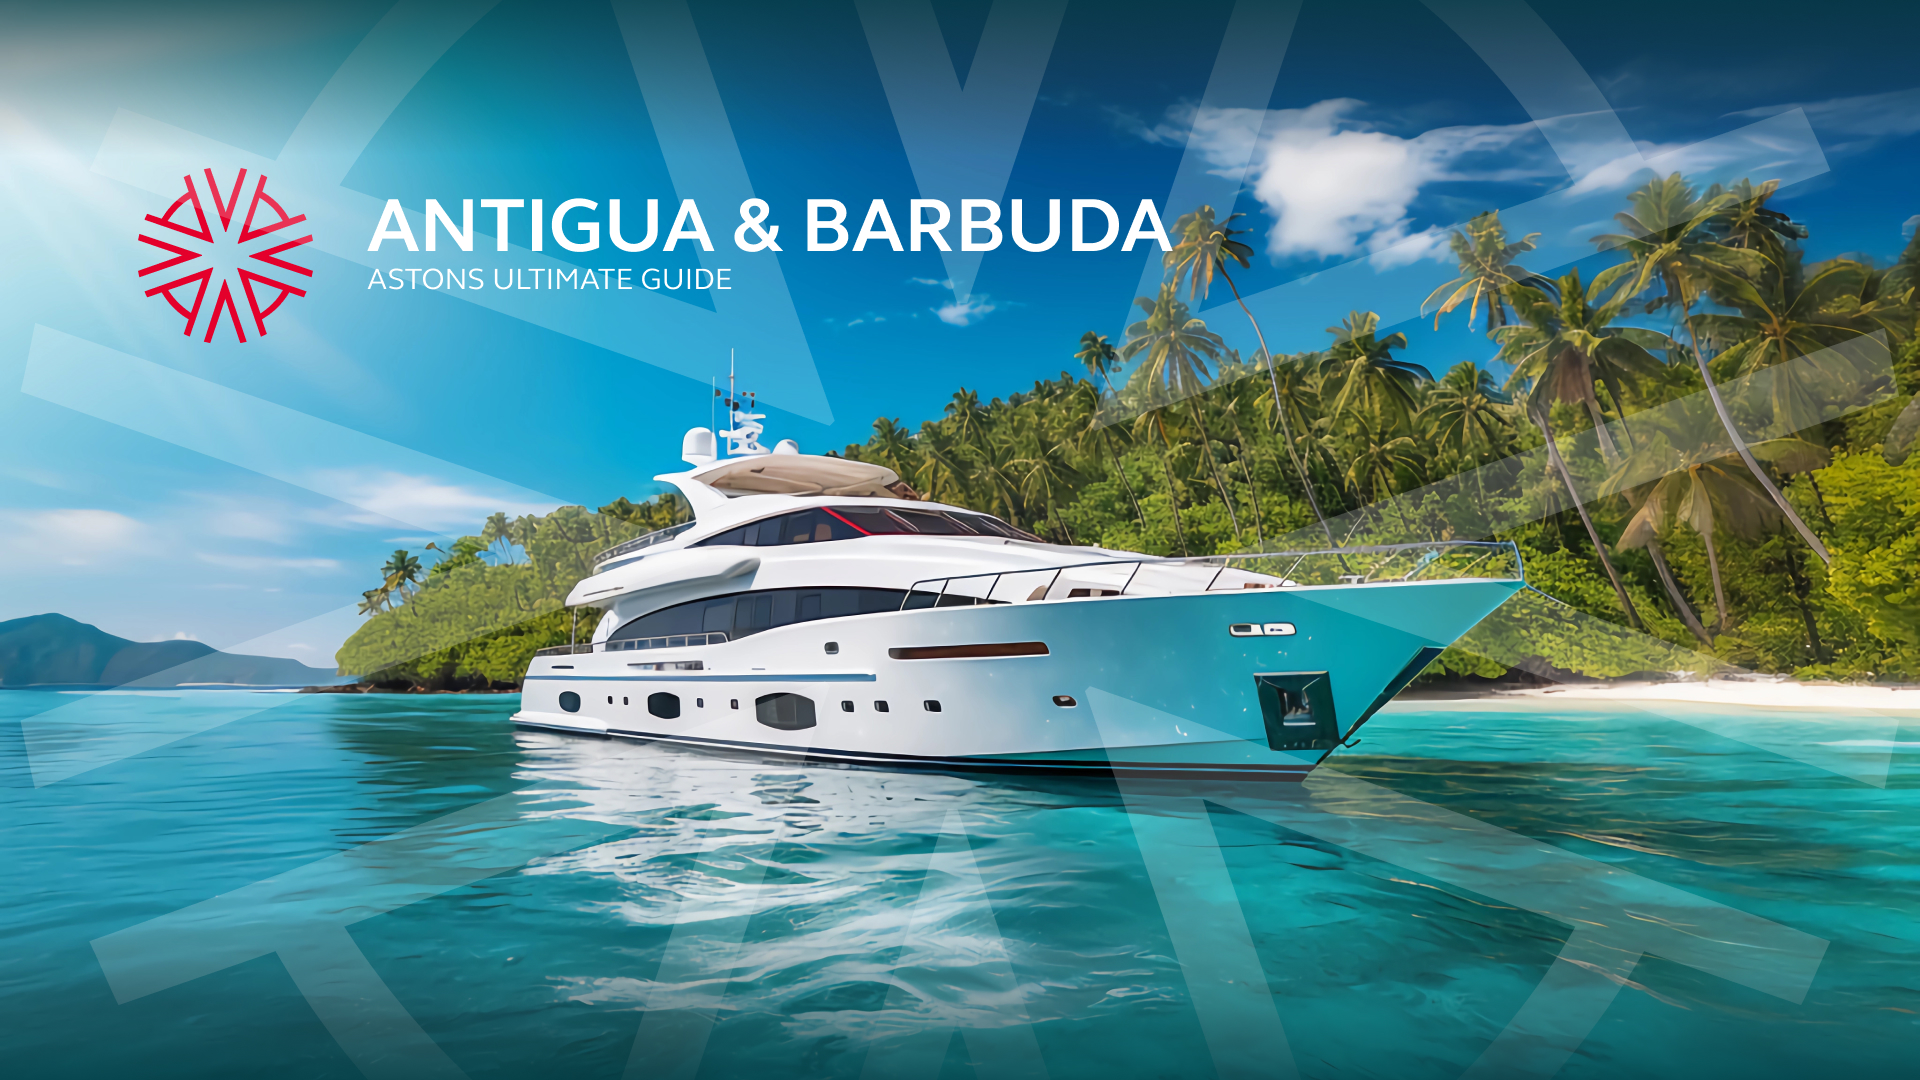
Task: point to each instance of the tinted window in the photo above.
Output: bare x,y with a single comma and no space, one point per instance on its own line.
787,712
993,526
847,522
931,522
873,519
749,613
800,527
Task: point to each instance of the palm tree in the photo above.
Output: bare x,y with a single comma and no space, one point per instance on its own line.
1746,222
1381,461
1233,405
1566,339
967,416
1297,381
402,573
1670,235
372,602
494,533
1177,348
1703,488
1540,393
522,531
1370,378
895,444
1785,312
1100,359
1564,342
1045,475
1468,415
1152,419
1486,269
941,472
1204,248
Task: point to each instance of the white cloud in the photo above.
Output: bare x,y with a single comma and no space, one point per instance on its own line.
1391,246
261,562
68,537
962,312
1867,117
418,500
965,312
1911,224
1334,184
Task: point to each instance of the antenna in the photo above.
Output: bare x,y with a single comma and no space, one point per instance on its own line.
743,422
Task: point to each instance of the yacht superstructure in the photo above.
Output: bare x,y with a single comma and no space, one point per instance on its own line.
816,608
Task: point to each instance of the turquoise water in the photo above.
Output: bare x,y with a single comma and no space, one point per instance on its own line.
773,921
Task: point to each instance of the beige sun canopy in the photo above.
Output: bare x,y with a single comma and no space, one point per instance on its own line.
798,474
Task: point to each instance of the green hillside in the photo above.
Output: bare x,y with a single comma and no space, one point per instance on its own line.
53,650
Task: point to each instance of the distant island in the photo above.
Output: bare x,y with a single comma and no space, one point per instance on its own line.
53,650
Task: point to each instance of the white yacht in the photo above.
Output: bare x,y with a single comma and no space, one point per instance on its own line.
814,608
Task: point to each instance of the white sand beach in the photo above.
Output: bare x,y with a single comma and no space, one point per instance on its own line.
1745,691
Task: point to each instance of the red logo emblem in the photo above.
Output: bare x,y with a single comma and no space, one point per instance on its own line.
206,248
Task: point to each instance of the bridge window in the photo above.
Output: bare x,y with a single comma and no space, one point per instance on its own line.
821,523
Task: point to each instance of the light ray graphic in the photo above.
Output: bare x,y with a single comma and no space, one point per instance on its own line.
382,479
961,139
960,938
1241,83
303,915
1614,916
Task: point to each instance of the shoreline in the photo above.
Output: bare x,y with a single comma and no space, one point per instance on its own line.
1745,691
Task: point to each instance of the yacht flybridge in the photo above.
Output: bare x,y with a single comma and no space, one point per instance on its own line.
816,608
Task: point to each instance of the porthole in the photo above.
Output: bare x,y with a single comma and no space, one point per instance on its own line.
846,706
931,705
1065,701
699,703
569,701
623,701
833,648
663,705
879,706
736,703
784,712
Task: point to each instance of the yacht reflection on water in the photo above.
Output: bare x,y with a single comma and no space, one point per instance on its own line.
816,609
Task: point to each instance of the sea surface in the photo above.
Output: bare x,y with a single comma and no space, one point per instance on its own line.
229,884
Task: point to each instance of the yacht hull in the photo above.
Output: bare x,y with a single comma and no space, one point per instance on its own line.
1157,685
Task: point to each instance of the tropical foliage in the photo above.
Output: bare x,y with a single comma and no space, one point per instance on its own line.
483,608
1706,442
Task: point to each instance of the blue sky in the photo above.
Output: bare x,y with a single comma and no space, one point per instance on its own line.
148,484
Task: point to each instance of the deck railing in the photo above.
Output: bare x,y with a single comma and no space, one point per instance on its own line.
1432,561
668,641
564,650
639,543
